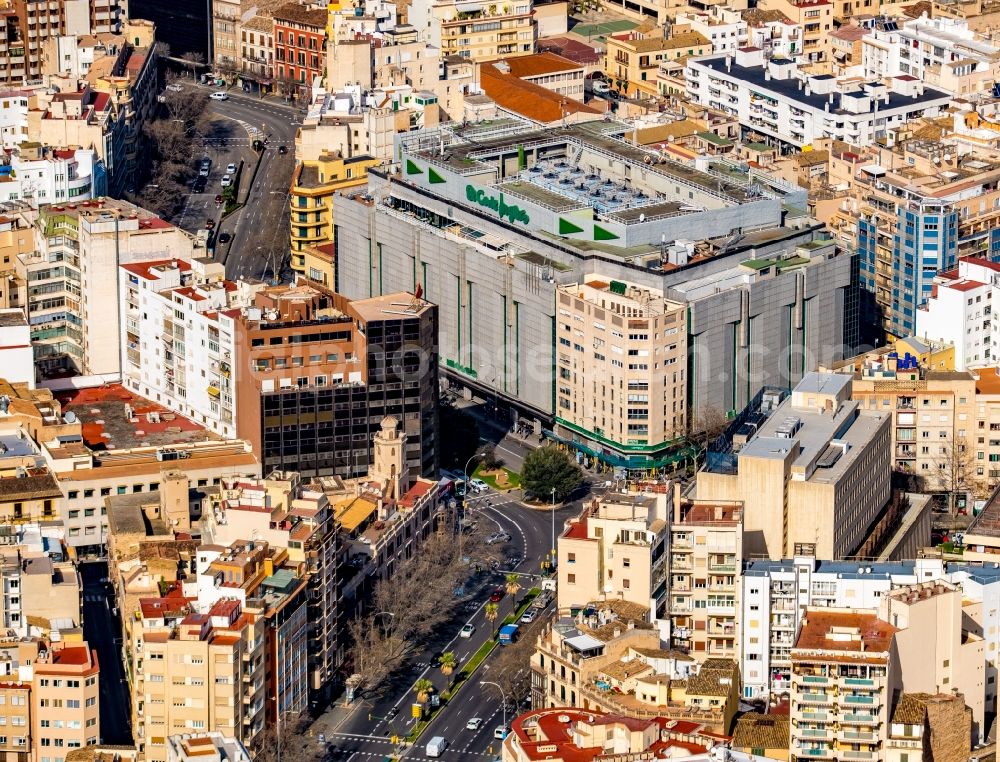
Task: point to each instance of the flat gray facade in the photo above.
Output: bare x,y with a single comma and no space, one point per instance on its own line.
495,285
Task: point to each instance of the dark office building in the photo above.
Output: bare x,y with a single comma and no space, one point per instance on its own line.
319,373
184,25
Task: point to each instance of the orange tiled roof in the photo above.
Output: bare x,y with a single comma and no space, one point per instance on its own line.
539,63
528,99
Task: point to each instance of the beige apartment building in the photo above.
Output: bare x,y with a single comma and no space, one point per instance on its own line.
615,550
844,676
613,661
16,700
66,700
706,556
815,17
193,672
226,16
812,477
632,59
622,371
932,412
481,32
938,652
282,511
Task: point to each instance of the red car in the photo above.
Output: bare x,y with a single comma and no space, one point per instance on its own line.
497,595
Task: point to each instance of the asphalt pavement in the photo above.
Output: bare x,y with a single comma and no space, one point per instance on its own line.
102,629
259,230
366,729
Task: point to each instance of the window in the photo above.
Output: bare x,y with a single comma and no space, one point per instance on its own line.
571,558
571,579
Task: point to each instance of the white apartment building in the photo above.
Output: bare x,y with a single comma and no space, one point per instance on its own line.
943,52
52,176
178,338
776,35
73,278
725,28
960,312
774,595
16,357
14,117
792,109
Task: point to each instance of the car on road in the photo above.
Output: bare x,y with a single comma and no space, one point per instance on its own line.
225,238
500,731
393,711
478,485
204,168
218,95
218,198
496,537
282,150
528,616
474,724
436,745
497,595
231,169
466,631
227,180
209,223
199,185
600,87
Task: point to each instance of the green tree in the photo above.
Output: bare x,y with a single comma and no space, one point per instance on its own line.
491,612
448,662
423,688
460,437
548,468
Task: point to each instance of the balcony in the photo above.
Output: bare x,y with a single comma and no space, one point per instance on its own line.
859,719
850,754
863,700
817,753
856,736
857,682
814,698
815,734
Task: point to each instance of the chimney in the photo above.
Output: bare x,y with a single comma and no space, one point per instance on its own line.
677,502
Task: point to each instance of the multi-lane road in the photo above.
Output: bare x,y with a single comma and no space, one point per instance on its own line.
258,245
368,731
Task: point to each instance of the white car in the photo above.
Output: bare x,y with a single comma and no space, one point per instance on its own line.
218,95
174,88
478,485
227,181
601,87
500,731
231,169
466,631
474,724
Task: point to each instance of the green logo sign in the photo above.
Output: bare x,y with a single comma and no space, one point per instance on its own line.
512,213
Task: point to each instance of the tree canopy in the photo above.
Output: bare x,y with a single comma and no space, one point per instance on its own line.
548,468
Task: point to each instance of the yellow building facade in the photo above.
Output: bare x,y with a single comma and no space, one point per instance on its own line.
314,183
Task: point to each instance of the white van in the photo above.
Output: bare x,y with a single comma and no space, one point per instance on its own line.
436,745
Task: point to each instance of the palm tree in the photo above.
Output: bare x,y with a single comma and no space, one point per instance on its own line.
491,612
513,584
448,662
423,688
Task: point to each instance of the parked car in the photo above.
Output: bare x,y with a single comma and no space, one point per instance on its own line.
478,485
466,631
175,88
231,169
528,616
601,87
500,731
218,198
218,95
227,180
209,224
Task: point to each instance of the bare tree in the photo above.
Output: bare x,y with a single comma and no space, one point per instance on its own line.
287,743
195,60
408,606
706,426
511,669
955,472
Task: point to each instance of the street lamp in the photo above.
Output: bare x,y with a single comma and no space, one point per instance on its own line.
503,696
553,527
